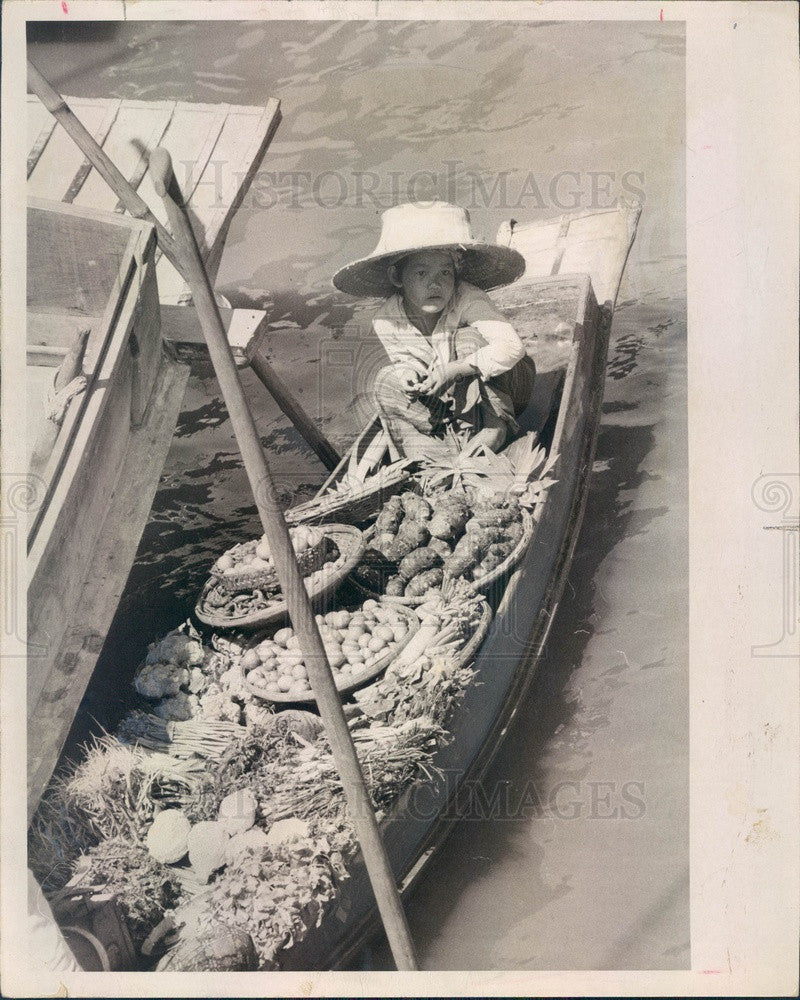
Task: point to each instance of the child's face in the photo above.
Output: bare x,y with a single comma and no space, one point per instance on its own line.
428,280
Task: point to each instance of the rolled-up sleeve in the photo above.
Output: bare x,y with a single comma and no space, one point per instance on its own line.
503,345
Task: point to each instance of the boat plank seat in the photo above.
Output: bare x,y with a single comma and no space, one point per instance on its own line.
217,150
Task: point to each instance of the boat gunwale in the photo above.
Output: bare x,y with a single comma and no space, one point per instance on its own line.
88,404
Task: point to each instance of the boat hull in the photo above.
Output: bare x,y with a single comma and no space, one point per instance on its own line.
95,486
506,662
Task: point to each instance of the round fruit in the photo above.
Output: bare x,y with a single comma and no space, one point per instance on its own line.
282,636
284,682
384,632
399,632
262,550
336,659
369,605
376,644
299,671
364,640
224,562
250,660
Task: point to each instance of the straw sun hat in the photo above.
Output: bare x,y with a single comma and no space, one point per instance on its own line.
432,225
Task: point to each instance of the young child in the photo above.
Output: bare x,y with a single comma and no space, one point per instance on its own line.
454,358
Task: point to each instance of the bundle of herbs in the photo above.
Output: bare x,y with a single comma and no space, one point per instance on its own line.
275,895
113,793
144,889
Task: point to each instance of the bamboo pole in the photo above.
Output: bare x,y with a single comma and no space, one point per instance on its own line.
288,572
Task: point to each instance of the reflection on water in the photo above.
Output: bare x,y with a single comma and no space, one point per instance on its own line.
522,120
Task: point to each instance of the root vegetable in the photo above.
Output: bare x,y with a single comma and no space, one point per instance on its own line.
418,561
423,582
415,507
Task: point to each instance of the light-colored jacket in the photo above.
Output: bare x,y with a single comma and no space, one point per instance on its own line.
469,306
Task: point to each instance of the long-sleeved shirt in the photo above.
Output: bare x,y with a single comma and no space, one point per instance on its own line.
469,307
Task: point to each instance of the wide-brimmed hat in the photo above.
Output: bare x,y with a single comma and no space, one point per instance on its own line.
431,225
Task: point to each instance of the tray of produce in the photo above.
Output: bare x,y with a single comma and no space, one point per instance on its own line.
264,604
249,564
360,645
417,542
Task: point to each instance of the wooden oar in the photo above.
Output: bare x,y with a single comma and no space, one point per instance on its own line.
287,569
134,204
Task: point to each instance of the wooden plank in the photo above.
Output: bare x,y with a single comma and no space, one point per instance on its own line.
190,138
242,144
223,185
590,242
35,148
52,711
138,127
61,159
181,327
112,331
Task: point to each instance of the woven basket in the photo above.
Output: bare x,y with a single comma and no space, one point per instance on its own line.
481,585
310,560
357,680
272,608
354,506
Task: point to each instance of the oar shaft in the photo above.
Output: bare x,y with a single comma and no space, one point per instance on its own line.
288,572
99,159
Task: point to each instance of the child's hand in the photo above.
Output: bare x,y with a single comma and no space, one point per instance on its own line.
441,376
409,380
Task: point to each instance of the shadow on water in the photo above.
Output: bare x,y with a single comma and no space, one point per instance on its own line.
478,844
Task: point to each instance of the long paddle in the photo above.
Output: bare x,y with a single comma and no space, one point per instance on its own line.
138,208
288,572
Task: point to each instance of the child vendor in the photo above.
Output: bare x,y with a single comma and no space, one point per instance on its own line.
455,360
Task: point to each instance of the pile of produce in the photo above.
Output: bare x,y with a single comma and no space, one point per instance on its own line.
416,542
243,595
252,560
232,822
185,680
432,672
356,643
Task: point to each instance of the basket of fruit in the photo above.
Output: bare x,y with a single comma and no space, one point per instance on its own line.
249,564
264,603
416,543
360,645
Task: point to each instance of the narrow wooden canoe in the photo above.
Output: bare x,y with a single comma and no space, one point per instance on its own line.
566,331
94,475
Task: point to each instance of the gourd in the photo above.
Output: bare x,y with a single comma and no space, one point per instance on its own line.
167,838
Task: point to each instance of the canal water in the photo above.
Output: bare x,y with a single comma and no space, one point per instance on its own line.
579,859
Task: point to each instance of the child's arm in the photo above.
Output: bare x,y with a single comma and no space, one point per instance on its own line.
503,345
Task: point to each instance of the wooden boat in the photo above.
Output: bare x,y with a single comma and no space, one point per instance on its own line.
565,324
91,266
94,475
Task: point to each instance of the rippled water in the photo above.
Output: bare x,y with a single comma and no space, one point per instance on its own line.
521,120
